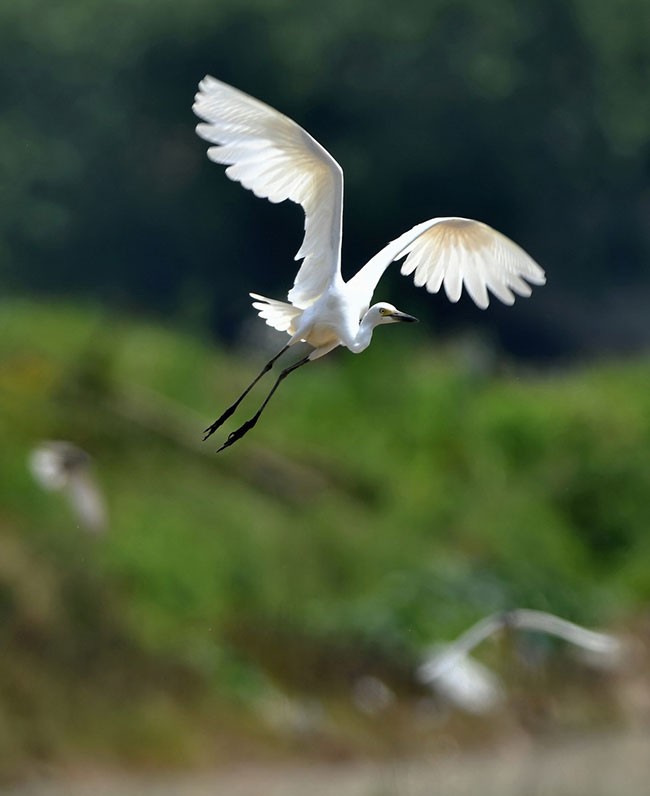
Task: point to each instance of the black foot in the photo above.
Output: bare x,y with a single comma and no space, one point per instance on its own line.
238,433
209,431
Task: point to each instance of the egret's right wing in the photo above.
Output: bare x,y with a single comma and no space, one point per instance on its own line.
275,158
454,252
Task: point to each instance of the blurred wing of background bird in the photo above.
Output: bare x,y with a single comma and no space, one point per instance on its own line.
88,503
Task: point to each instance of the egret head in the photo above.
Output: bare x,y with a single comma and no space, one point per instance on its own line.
383,312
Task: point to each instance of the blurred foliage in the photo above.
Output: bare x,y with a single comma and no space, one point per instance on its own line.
533,115
385,502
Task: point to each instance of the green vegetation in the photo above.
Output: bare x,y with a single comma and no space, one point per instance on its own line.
385,502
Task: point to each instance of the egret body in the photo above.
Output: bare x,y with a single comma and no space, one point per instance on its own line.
274,157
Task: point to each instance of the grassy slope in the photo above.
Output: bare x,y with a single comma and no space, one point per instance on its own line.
383,502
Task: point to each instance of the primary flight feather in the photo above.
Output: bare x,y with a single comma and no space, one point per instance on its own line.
274,157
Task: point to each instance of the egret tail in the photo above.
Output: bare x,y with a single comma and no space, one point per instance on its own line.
229,411
238,433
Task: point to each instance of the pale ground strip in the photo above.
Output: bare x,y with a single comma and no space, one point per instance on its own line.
596,766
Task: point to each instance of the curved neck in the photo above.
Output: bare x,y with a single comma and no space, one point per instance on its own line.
364,335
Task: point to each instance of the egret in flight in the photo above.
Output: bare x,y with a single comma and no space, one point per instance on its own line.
274,157
451,670
60,466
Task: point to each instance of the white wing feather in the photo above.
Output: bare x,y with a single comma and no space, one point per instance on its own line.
454,252
277,314
88,502
274,157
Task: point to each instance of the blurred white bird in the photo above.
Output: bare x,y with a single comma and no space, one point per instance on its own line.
274,157
450,669
461,680
60,466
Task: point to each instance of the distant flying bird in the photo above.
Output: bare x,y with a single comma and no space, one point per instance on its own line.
451,670
274,157
60,466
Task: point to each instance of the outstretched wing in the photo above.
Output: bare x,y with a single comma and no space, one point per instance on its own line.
454,252
274,157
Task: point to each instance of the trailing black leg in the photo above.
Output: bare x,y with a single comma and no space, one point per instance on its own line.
249,424
229,411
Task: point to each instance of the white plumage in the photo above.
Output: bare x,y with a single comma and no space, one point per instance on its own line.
60,466
450,669
276,159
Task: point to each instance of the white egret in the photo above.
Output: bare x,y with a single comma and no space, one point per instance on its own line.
60,466
274,157
451,670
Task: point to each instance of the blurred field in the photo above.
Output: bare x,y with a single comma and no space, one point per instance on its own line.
596,766
236,599
266,610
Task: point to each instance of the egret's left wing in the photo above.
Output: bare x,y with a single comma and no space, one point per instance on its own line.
88,502
271,155
454,252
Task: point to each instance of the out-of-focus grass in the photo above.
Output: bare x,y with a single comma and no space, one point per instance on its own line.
383,502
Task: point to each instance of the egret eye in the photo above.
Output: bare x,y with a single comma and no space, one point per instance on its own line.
383,311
